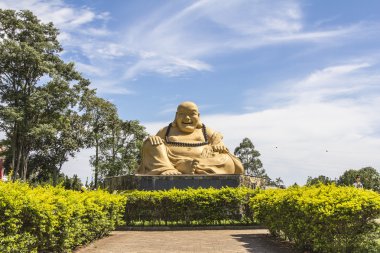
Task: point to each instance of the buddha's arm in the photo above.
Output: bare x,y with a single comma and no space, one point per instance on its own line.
157,161
158,138
216,141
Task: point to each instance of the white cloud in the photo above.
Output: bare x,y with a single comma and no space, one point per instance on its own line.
333,73
341,83
172,42
86,68
103,86
255,17
56,11
177,37
293,141
170,66
358,80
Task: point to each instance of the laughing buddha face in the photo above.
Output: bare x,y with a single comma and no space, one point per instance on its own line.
187,117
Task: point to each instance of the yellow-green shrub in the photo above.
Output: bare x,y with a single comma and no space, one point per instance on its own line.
321,218
51,219
200,206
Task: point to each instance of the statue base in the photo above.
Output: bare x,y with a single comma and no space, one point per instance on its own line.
159,182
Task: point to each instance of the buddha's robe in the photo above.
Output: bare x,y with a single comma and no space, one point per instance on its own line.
157,159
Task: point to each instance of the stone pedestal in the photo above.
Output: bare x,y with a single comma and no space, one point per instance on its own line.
147,182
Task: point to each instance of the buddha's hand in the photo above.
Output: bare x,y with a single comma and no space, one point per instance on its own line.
220,148
155,140
171,172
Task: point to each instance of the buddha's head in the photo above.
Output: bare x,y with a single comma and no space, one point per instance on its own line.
187,117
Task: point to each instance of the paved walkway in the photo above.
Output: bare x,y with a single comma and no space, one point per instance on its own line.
199,241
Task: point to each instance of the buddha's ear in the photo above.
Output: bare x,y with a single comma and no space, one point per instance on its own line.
174,124
199,125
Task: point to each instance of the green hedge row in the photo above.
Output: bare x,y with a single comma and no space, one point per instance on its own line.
48,219
319,218
190,206
322,218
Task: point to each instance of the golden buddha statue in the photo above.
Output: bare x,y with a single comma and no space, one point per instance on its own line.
187,146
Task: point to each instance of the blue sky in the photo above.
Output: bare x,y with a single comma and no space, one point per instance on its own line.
301,79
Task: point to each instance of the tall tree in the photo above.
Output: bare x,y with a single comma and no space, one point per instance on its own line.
249,157
117,143
31,67
369,177
100,117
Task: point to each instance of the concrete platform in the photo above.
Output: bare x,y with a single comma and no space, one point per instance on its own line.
147,182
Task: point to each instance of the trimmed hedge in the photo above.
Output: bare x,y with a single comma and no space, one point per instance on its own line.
189,207
51,219
318,218
322,218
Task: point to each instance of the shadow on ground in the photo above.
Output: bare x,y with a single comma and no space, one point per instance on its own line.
260,243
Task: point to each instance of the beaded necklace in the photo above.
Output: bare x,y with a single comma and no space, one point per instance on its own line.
184,144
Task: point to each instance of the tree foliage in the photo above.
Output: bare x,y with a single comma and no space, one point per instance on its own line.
117,143
321,179
249,157
38,93
73,183
48,112
121,152
278,182
369,177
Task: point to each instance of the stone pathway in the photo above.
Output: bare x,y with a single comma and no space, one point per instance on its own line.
199,241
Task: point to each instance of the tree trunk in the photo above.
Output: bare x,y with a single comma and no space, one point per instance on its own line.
96,162
25,165
13,148
18,162
56,174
